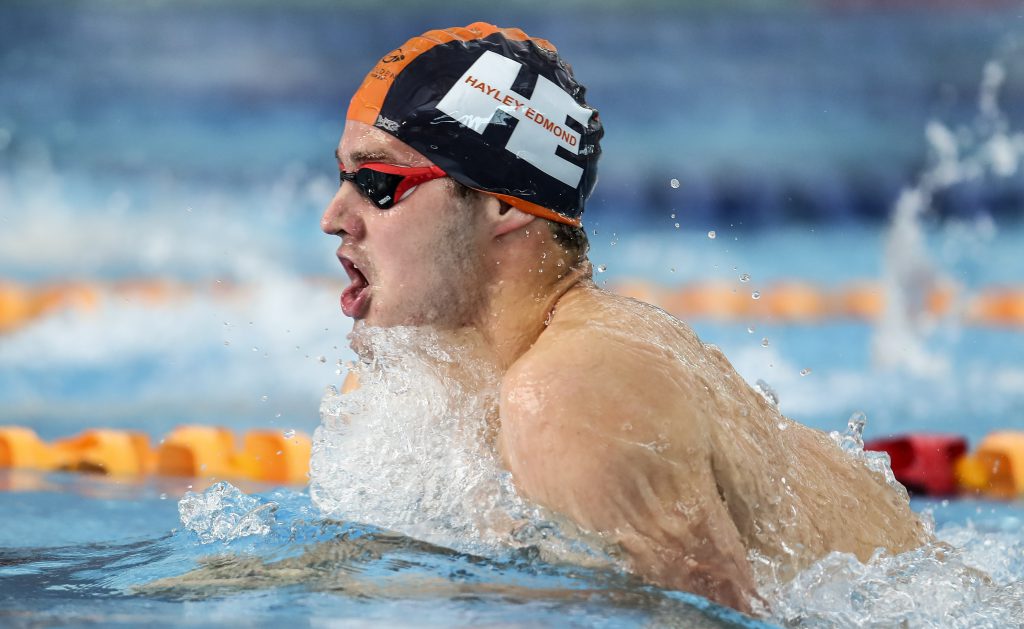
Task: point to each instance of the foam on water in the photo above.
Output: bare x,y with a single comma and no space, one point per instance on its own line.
954,582
413,449
224,513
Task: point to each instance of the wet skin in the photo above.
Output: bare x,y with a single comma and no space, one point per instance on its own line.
621,418
613,412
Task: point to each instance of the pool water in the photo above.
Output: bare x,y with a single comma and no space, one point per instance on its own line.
292,567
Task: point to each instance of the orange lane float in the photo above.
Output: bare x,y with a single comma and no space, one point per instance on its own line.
996,468
794,302
859,300
712,300
196,451
1000,307
16,306
114,452
927,464
190,451
21,448
785,301
270,456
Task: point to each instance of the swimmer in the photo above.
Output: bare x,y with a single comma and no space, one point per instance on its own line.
465,163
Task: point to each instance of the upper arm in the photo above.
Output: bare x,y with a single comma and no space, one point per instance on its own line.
601,437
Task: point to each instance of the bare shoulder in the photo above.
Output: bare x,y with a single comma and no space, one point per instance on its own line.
604,363
597,393
597,423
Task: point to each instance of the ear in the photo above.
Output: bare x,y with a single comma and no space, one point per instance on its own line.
504,219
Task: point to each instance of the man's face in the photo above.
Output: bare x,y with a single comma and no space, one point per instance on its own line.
421,262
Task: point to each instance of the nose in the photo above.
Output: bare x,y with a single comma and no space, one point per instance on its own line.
343,217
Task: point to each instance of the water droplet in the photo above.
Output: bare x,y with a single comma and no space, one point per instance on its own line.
163,496
672,215
756,294
783,425
673,182
279,452
672,269
227,342
677,225
255,349
263,398
712,235
745,277
804,372
602,268
322,359
764,342
277,415
751,329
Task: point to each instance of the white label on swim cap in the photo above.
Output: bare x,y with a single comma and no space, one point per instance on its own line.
486,89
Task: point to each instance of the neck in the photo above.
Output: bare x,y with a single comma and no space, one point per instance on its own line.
520,306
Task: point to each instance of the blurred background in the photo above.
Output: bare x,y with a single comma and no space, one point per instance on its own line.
163,166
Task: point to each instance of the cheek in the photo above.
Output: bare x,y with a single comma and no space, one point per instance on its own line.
401,250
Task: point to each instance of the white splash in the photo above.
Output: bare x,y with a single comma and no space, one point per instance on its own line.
910,275
937,585
224,513
413,448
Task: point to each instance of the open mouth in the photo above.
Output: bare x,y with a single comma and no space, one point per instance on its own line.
355,299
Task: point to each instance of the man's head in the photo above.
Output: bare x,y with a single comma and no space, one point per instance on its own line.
491,131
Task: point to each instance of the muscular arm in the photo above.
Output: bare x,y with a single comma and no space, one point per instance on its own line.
600,438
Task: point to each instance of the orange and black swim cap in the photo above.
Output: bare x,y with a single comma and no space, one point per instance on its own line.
499,111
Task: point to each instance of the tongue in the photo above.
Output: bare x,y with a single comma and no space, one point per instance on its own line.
355,297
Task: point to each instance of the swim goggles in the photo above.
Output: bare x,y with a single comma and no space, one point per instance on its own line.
384,184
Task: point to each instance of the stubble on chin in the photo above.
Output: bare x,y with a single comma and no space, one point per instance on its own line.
453,296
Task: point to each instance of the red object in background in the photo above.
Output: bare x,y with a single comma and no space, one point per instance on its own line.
924,464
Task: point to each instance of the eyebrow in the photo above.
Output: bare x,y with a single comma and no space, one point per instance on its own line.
363,157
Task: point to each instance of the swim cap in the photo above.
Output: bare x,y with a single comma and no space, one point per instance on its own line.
499,111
